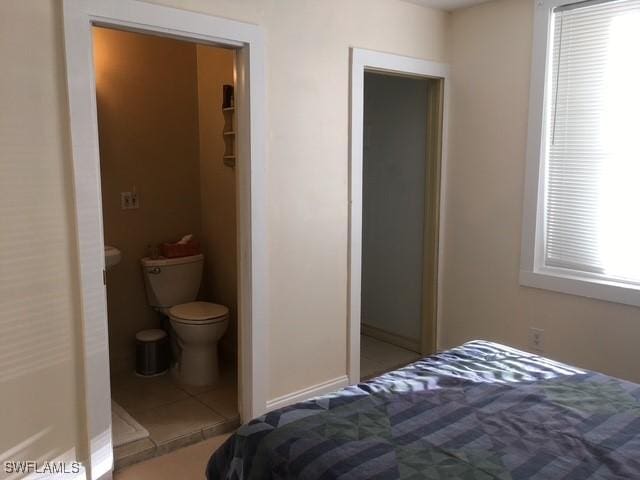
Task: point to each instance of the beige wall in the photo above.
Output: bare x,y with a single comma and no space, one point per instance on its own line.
491,54
307,175
41,408
217,190
148,123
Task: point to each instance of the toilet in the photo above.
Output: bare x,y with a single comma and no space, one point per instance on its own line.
172,286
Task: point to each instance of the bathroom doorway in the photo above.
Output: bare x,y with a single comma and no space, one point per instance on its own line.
167,128
248,42
398,107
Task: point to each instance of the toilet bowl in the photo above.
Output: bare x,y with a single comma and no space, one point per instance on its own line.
198,326
172,286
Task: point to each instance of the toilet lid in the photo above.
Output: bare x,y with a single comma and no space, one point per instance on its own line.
198,311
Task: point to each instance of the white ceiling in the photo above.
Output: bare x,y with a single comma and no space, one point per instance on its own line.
448,5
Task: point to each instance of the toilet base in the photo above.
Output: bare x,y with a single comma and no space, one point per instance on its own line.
198,366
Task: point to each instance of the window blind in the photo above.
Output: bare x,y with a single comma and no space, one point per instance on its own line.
592,167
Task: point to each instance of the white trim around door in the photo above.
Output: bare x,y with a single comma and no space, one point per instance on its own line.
248,40
367,60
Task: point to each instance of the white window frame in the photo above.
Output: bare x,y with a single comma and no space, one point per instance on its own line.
533,271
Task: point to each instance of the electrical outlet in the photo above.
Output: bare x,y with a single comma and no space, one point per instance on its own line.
536,339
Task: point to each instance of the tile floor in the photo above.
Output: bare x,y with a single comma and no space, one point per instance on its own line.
175,415
378,357
178,416
189,462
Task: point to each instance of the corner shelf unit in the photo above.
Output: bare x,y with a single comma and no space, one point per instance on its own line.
229,136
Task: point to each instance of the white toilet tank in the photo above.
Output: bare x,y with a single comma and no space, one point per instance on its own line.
172,281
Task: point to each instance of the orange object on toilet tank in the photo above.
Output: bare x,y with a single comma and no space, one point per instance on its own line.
175,250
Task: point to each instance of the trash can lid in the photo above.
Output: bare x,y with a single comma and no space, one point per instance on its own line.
151,335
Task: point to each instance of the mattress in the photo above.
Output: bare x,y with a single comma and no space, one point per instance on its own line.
478,411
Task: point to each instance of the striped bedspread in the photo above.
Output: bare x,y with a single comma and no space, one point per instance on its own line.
479,411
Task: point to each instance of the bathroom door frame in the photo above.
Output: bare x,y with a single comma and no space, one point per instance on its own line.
249,42
362,61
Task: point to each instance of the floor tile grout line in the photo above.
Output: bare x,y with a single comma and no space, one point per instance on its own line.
215,411
133,413
162,405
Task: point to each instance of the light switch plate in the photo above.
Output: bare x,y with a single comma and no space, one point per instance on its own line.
125,200
129,200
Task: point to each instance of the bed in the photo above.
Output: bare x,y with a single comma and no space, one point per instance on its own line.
478,411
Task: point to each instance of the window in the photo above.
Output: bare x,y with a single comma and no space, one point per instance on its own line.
581,230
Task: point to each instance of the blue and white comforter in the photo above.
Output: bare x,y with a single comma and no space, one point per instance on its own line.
479,411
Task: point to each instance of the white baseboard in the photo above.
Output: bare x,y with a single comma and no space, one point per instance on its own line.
307,393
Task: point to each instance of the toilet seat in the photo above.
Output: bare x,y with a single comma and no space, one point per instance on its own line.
198,313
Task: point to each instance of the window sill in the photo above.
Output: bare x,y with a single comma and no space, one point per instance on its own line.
559,281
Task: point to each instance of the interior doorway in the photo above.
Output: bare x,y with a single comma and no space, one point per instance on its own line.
394,188
248,41
397,138
167,129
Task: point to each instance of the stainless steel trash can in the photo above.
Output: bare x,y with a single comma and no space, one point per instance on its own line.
152,352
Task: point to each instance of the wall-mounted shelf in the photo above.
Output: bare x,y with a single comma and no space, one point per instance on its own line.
228,131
